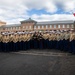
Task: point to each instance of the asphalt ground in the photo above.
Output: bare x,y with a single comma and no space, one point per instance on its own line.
37,62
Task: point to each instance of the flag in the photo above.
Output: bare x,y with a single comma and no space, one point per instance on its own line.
74,14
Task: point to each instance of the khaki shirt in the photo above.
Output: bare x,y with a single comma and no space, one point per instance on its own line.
15,38
0,37
50,37
62,36
67,36
29,37
10,38
45,36
53,37
58,37
5,39
20,38
72,36
25,37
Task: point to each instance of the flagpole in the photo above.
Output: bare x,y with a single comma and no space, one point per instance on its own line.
74,20
73,13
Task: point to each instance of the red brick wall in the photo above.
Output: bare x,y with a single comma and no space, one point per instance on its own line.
24,25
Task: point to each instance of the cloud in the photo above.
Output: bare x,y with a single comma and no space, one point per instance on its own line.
69,5
13,11
55,17
50,7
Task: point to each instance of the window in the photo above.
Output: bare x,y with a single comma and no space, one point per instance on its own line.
63,26
34,27
8,28
54,26
26,27
5,28
50,26
46,26
58,26
19,27
67,26
23,27
0,28
16,27
30,27
72,26
38,27
11,28
42,27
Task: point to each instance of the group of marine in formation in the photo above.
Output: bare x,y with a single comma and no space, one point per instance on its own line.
16,41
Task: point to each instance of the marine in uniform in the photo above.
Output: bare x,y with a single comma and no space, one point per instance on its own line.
66,41
21,41
5,41
49,41
45,40
0,42
35,40
28,40
72,43
11,42
31,43
40,41
15,40
58,45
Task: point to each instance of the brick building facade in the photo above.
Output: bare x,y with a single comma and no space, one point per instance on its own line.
32,25
2,23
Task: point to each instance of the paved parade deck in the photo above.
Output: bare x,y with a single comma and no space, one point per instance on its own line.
37,62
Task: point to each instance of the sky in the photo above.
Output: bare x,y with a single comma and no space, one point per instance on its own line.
14,11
